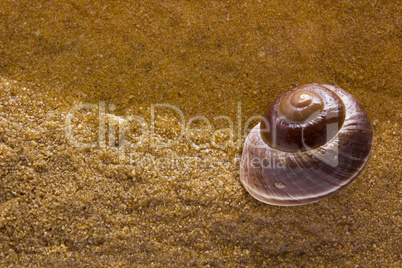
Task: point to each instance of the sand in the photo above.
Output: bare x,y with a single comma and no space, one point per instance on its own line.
122,126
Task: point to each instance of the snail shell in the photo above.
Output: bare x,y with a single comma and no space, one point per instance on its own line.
313,140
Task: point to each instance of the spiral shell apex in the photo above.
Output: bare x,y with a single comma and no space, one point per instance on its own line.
313,140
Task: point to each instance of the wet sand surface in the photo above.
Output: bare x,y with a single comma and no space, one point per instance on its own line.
122,125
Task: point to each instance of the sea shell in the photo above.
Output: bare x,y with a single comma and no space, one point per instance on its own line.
298,159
